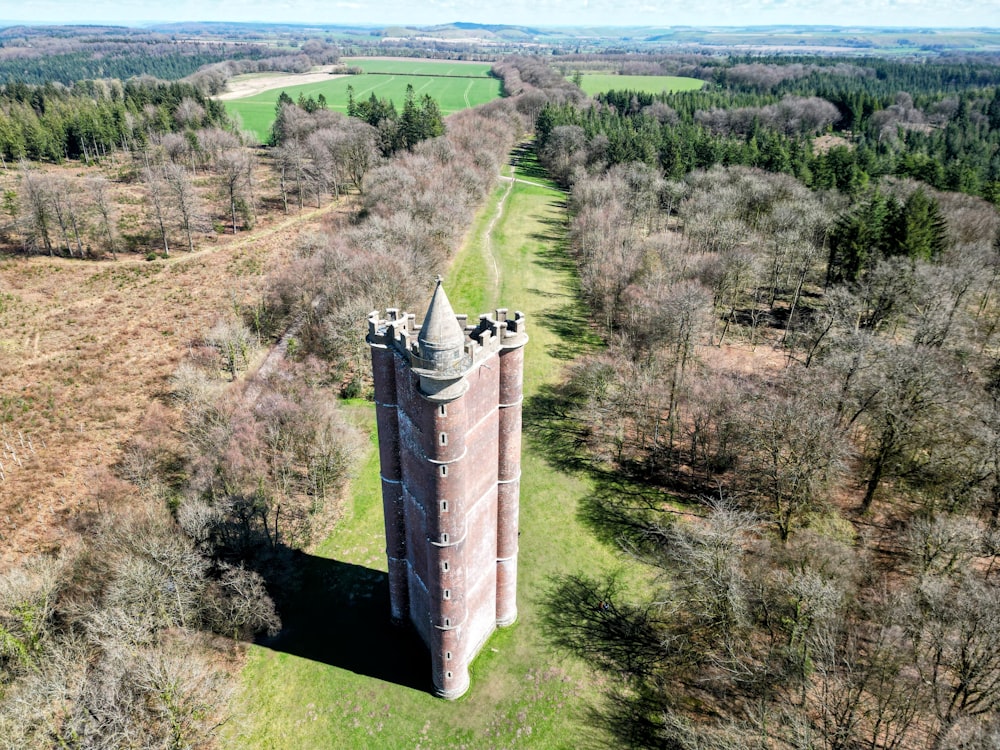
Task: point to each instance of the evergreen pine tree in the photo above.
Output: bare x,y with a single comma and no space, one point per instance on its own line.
993,110
409,121
352,107
923,228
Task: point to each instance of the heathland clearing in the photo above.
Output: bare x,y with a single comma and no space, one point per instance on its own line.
595,83
342,677
87,346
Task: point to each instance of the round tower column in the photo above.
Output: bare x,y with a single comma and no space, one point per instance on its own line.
387,419
509,474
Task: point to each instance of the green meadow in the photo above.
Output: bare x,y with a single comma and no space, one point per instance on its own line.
342,676
388,79
595,83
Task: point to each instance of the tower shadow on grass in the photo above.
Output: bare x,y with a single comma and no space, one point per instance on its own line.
338,614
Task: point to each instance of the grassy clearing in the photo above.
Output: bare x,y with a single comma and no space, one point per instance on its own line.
344,678
595,83
452,94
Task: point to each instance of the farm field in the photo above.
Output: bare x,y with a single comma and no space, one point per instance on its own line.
595,83
344,677
437,79
404,66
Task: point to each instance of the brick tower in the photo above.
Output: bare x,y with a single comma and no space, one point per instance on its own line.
448,405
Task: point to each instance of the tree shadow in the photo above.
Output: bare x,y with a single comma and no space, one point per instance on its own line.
622,509
591,618
337,613
571,325
551,429
567,317
527,163
554,253
628,499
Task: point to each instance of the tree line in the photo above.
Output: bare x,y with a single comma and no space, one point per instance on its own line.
94,118
127,62
786,593
414,208
65,55
166,190
195,174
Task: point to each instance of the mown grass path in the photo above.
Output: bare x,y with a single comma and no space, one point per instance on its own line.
341,676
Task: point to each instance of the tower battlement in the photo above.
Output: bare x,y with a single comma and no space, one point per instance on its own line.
448,405
400,331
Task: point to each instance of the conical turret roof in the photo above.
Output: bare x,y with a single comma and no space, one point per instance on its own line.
441,337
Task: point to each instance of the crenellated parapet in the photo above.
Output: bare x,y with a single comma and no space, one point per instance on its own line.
400,332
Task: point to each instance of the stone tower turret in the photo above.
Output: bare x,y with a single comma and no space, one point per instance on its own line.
448,405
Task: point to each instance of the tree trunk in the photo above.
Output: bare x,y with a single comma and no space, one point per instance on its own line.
874,479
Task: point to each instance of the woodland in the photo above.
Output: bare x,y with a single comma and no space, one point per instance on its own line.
837,587
792,416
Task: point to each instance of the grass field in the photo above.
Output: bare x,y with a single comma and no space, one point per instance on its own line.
595,83
344,677
437,79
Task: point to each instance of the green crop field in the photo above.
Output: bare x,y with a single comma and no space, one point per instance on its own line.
421,67
595,83
452,94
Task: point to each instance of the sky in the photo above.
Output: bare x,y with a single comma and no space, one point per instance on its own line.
910,13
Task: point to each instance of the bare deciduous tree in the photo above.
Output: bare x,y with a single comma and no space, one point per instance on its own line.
185,200
100,194
234,343
955,634
156,189
234,166
37,203
793,452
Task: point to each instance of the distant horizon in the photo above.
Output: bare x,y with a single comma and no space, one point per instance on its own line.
874,14
140,24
